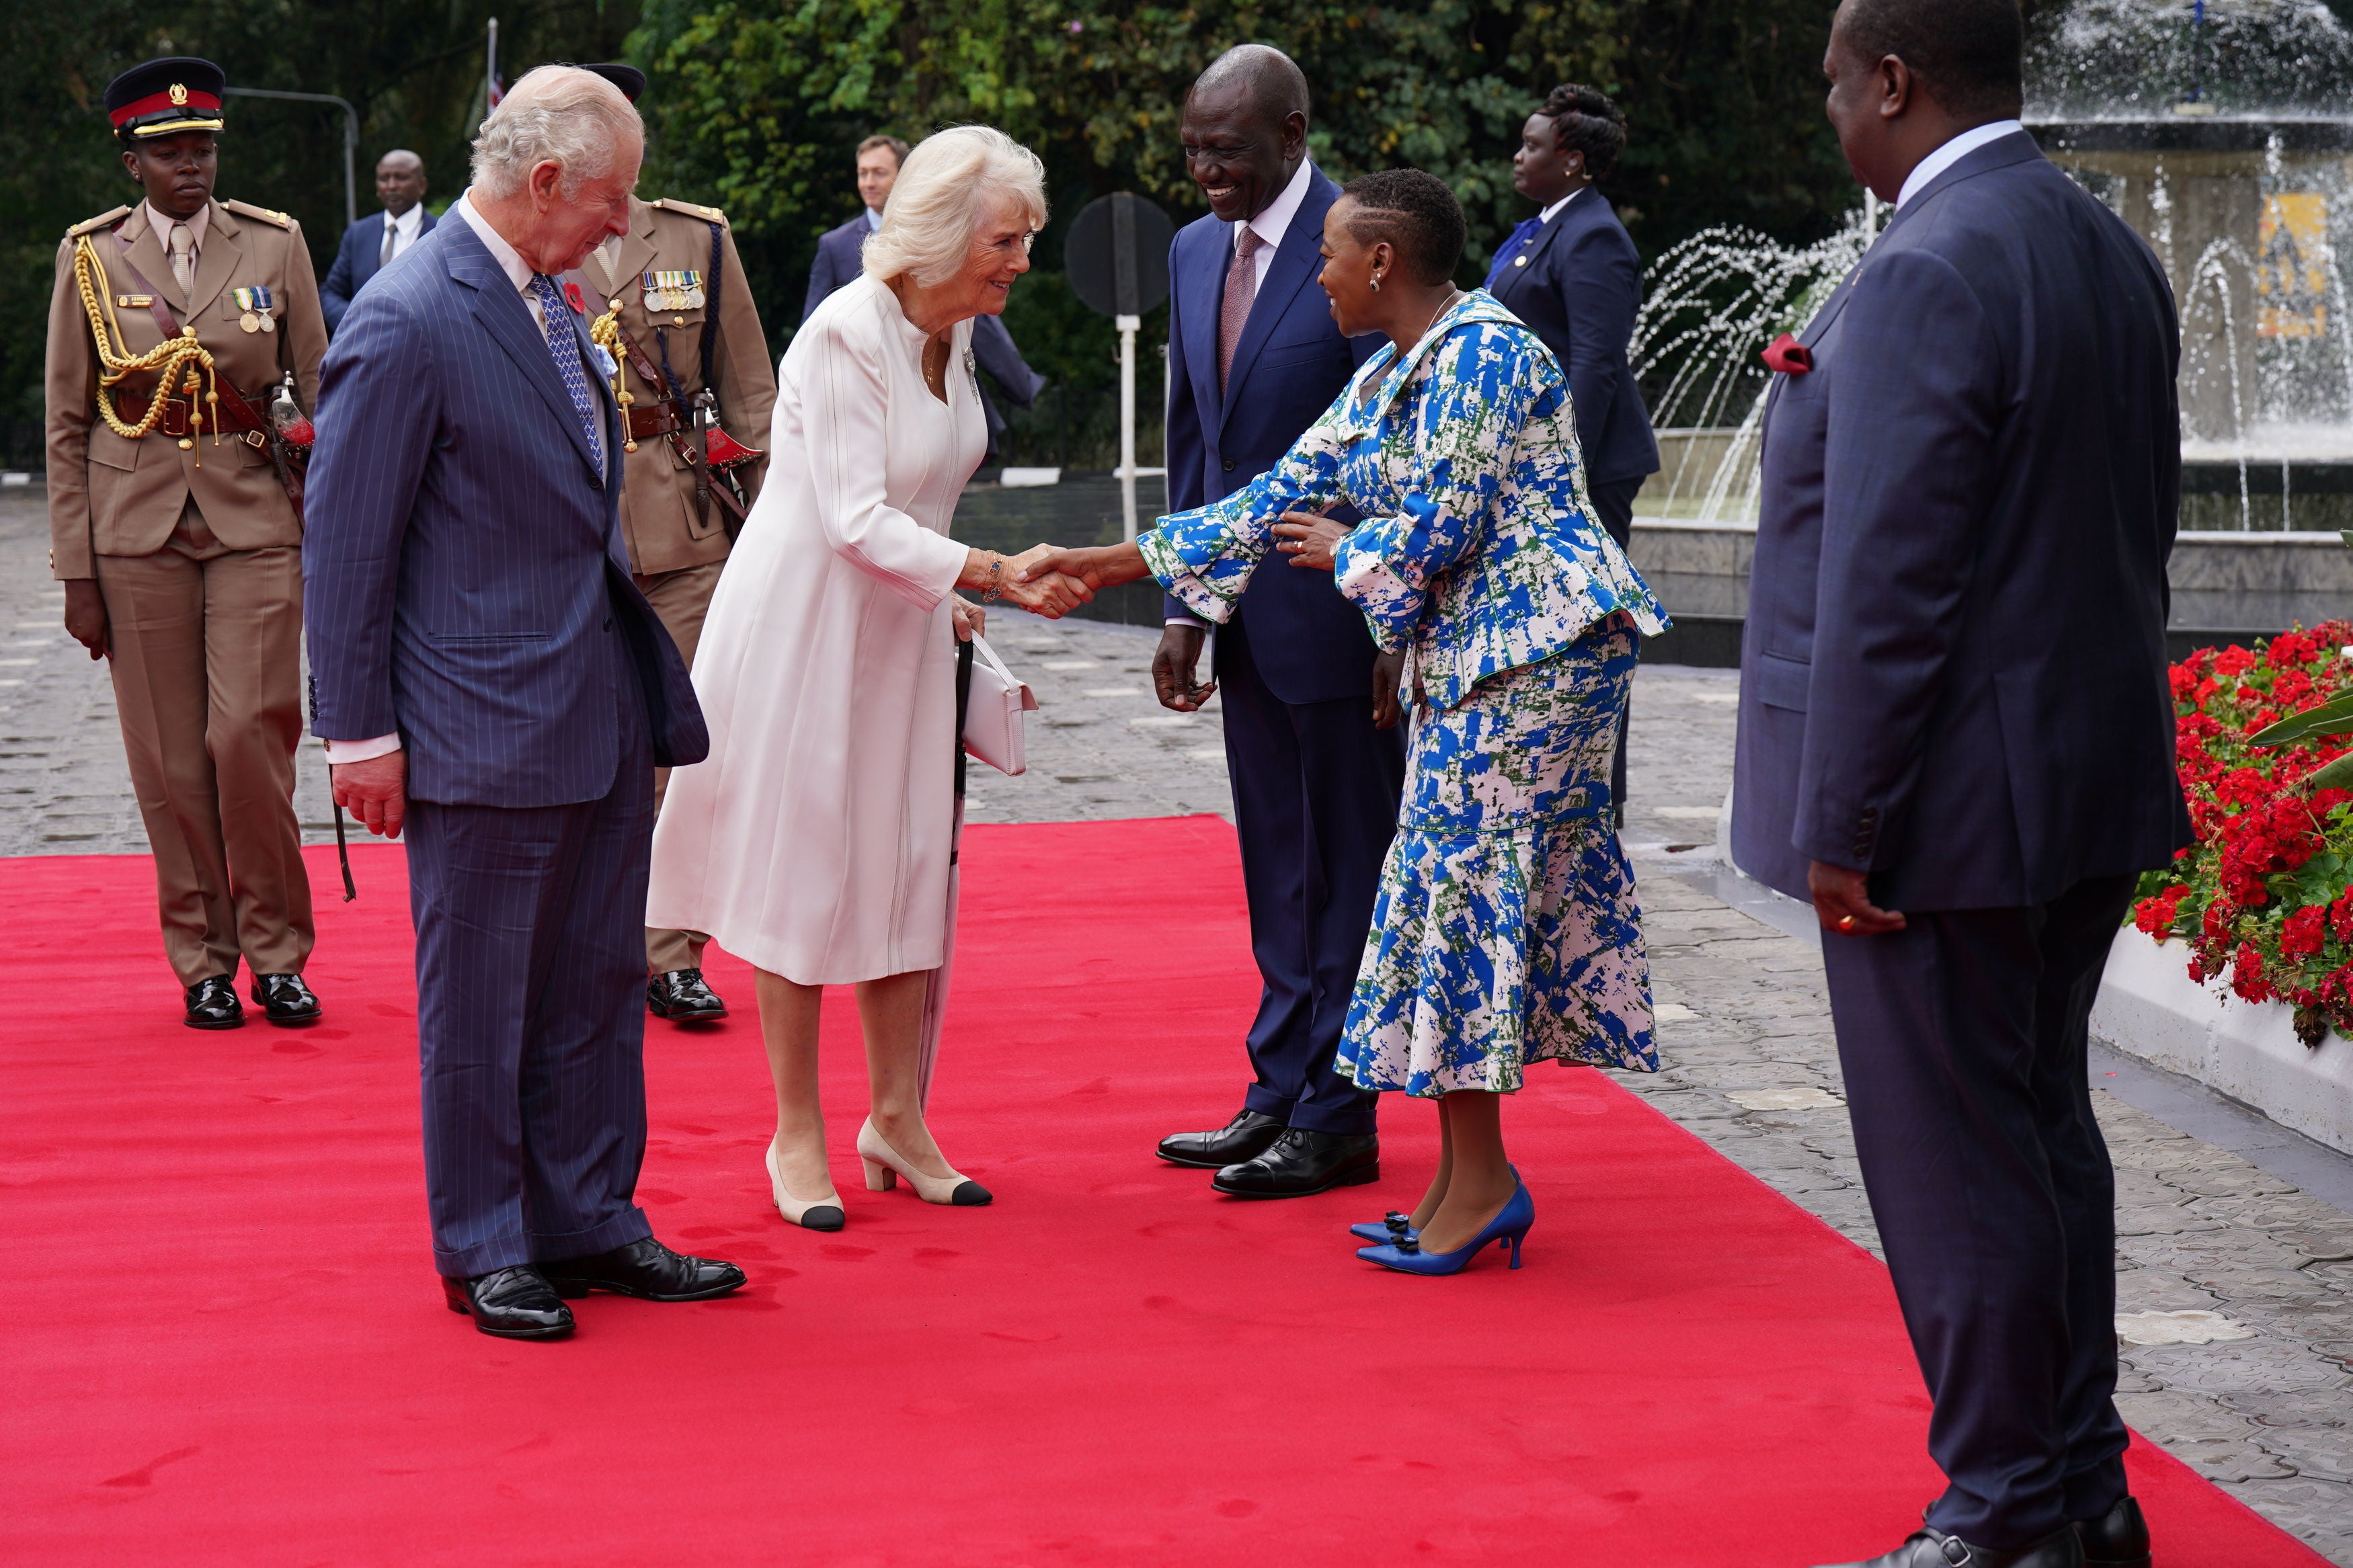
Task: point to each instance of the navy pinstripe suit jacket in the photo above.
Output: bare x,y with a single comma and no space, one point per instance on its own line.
465,581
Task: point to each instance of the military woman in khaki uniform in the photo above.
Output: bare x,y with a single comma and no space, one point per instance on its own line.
659,285
176,325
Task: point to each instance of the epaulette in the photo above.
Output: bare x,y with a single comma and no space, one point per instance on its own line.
708,214
247,209
103,220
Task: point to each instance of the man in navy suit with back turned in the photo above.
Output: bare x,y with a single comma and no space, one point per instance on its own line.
484,670
1313,741
1956,738
370,244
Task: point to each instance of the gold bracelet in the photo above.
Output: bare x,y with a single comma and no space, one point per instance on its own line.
988,594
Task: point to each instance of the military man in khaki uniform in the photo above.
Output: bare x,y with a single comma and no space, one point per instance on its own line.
672,284
173,330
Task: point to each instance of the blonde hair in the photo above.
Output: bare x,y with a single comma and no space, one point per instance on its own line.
942,189
559,114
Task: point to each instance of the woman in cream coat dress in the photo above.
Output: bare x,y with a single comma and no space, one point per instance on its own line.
813,841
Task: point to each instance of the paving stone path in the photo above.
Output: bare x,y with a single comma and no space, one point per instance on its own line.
2263,1407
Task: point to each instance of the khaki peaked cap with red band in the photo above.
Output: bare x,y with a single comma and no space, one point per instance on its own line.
177,93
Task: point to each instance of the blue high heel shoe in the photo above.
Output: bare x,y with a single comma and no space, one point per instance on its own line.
1396,1227
1519,1211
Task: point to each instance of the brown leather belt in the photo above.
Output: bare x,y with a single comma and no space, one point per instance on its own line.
645,423
130,407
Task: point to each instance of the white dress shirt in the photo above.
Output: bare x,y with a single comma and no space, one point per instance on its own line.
406,229
1950,153
1275,221
519,272
1553,211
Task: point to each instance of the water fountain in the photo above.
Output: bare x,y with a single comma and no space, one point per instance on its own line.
2221,129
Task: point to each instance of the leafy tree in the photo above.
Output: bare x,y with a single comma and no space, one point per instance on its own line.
759,105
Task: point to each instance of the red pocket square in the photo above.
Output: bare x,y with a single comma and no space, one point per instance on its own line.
1787,356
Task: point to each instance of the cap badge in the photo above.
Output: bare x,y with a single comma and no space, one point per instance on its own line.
178,95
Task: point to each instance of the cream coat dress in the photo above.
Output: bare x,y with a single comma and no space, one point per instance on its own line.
813,841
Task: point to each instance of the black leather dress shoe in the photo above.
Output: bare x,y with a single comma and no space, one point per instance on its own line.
213,1005
515,1303
285,1000
646,1269
2117,1539
1245,1137
682,996
1301,1164
1935,1549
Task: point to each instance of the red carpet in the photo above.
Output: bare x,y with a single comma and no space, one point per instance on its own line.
224,1345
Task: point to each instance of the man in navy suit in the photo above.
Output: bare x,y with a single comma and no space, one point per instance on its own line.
484,670
1956,738
370,244
1313,743
839,264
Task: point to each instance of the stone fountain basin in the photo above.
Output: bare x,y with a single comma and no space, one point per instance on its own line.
2228,586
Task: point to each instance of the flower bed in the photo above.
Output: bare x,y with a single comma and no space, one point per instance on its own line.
2264,899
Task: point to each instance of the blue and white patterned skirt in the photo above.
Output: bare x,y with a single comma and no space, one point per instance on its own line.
1506,930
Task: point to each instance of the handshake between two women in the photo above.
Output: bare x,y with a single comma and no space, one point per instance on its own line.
1052,580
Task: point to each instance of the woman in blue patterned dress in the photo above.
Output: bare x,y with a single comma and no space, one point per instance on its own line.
1507,930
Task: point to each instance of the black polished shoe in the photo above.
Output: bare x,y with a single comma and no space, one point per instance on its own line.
1245,1137
2117,1539
213,1005
646,1269
515,1303
682,996
1302,1163
285,1000
1935,1549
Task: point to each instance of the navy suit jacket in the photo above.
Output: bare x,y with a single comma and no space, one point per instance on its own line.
465,578
1578,290
355,263
1309,643
1953,671
837,264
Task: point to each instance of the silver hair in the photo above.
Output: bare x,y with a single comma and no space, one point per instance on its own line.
943,190
559,114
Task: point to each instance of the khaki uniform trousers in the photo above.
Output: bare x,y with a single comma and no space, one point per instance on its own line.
205,644
681,599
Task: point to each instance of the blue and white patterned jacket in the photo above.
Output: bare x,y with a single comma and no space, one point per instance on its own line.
1479,549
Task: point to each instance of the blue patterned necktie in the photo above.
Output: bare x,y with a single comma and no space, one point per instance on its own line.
1513,245
565,344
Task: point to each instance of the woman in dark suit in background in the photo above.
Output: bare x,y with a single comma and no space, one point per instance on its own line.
1571,273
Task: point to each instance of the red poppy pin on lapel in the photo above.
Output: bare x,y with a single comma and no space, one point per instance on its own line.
1785,356
580,306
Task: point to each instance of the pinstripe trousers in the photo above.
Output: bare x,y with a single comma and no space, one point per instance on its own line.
531,1016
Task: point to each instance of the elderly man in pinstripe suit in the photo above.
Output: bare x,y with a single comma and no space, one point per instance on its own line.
485,673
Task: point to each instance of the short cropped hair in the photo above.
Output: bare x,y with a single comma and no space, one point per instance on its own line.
898,148
1584,121
573,118
1416,213
942,192
1969,55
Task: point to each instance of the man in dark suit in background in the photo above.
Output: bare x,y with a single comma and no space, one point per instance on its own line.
370,244
838,263
1953,705
1253,358
484,668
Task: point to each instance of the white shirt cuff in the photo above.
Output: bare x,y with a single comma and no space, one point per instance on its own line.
1193,621
341,752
